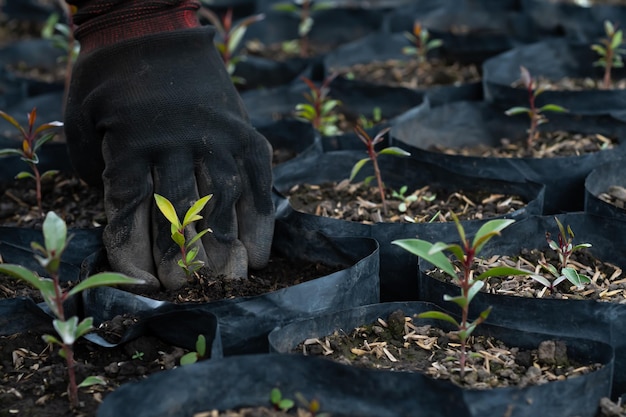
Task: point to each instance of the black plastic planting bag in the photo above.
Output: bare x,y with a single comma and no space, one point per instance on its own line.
472,123
583,22
588,319
578,396
313,168
388,46
244,322
599,181
553,59
246,381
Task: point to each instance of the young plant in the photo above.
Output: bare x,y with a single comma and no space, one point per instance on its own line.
535,114
372,155
609,51
200,353
302,10
319,110
231,37
69,329
312,407
33,138
421,43
188,250
464,255
377,117
280,403
405,200
564,248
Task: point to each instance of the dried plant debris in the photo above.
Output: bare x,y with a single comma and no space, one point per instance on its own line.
615,195
573,84
361,203
608,282
547,145
398,343
413,74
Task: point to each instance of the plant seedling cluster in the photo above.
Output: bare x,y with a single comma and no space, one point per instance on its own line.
464,254
535,114
564,247
609,51
231,37
302,10
33,138
188,250
372,155
421,43
199,354
69,329
319,110
278,402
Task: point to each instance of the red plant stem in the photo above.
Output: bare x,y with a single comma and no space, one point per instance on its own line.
71,373
304,39
379,179
465,287
607,68
534,116
37,187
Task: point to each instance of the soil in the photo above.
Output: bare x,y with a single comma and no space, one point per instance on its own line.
573,84
412,74
615,195
284,51
400,343
362,203
549,144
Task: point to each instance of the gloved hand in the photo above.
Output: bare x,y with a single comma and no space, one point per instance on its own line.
152,111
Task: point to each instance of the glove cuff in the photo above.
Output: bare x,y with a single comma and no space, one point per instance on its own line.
105,22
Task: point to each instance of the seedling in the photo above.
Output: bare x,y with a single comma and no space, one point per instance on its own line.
421,43
200,353
377,117
405,200
564,248
464,254
137,355
302,10
68,329
609,51
33,138
312,407
319,110
372,155
231,37
188,250
536,114
280,403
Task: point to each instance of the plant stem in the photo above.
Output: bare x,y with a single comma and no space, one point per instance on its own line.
37,187
608,67
71,373
304,39
379,180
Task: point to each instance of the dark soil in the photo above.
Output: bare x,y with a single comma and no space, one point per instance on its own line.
400,343
362,203
615,195
574,84
545,145
411,74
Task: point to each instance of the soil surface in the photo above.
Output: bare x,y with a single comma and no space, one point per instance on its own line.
574,84
362,203
412,74
401,343
615,195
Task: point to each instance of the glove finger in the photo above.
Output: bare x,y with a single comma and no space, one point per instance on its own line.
255,208
225,253
175,180
127,194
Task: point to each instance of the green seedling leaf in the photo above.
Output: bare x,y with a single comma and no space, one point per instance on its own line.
550,268
599,49
54,233
305,26
458,300
166,207
541,279
92,380
178,238
66,329
285,7
575,278
357,167
48,338
489,230
201,345
49,174
553,108
581,246
617,40
192,214
328,106
501,271
559,280
198,236
84,327
24,174
438,315
104,279
409,50
191,255
393,150
421,248
189,358
47,126
6,152
44,285
473,290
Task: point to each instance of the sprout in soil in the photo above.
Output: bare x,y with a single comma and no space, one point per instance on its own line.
609,51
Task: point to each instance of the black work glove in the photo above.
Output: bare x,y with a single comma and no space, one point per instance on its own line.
159,114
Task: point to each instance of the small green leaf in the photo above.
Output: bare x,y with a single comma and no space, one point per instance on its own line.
285,7
198,236
104,279
197,207
49,173
409,50
201,345
599,49
541,279
553,108
55,233
435,43
275,396
189,358
191,255
167,209
357,167
501,271
581,246
24,174
84,327
489,230
575,278
617,40
421,248
517,110
329,105
66,329
438,315
474,289
393,150
458,300
92,380
19,272
6,152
